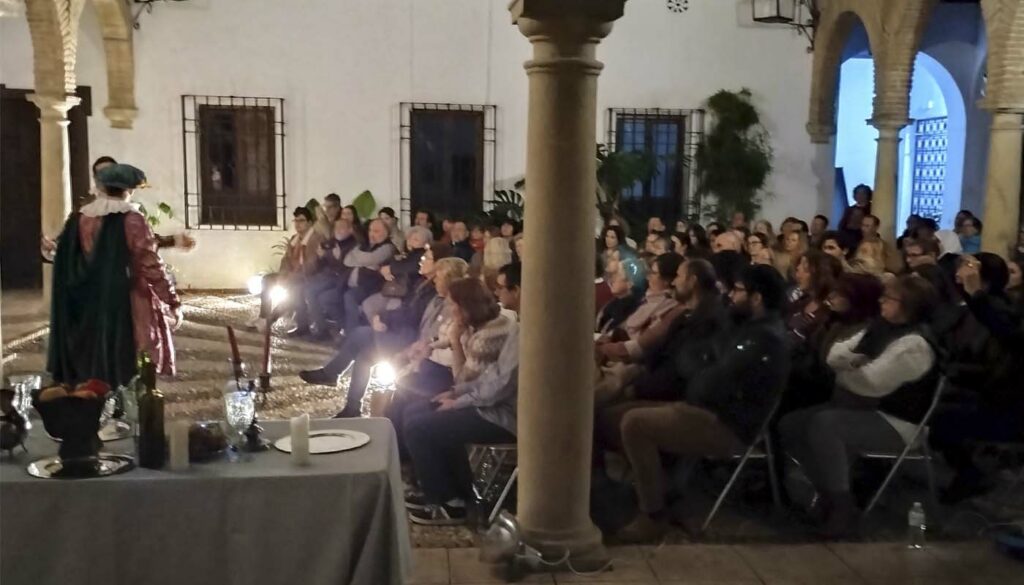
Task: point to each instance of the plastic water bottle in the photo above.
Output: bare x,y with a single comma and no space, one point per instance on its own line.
916,526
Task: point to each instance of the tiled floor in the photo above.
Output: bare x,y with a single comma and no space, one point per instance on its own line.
699,564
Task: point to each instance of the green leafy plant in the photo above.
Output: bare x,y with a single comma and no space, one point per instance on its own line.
154,218
618,170
508,204
734,161
365,204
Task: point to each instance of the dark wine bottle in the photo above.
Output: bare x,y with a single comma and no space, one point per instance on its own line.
152,443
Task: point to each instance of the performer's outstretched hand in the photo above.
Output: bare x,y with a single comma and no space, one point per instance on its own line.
178,316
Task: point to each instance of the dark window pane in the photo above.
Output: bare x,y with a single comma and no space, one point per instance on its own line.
446,153
662,137
237,165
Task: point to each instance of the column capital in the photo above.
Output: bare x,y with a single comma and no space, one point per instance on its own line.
821,133
121,117
1007,122
889,124
53,107
594,10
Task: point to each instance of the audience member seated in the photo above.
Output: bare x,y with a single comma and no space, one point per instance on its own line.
327,213
627,286
479,409
298,265
425,219
1014,285
350,213
727,241
885,377
728,265
326,288
917,253
461,245
365,278
655,225
487,262
794,243
835,244
890,256
726,403
387,215
670,352
517,247
970,235
400,275
508,229
700,245
814,275
991,407
819,225
760,250
409,328
680,243
659,298
657,244
763,226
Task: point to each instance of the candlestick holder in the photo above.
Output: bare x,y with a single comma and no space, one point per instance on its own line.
264,387
254,441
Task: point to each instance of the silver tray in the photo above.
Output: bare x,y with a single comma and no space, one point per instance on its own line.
114,431
106,464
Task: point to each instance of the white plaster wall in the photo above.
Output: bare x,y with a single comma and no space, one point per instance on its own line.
343,66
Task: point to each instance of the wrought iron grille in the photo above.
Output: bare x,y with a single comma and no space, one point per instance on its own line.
447,158
234,162
670,135
931,146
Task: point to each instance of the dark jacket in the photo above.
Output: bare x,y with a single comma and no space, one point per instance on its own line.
408,265
463,250
409,314
336,266
751,365
687,351
1001,384
615,313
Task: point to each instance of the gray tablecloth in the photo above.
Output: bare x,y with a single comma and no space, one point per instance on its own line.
266,522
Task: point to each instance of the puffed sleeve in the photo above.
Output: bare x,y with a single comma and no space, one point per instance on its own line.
146,263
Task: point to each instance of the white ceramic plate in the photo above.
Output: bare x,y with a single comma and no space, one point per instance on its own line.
333,441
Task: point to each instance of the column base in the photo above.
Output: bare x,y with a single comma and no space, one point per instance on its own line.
585,547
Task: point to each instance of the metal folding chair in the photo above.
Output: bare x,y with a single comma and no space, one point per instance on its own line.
916,450
492,478
760,448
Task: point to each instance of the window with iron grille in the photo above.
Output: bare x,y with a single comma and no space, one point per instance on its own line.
671,136
931,148
447,158
234,162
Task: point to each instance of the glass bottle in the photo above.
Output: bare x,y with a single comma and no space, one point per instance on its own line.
152,443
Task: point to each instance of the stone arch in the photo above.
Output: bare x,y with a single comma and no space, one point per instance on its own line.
903,27
1004,23
837,22
53,26
116,27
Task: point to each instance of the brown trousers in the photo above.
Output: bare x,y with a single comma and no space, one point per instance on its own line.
648,429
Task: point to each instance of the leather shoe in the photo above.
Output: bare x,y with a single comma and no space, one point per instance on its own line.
320,377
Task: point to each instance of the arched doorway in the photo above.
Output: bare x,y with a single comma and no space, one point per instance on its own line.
931,169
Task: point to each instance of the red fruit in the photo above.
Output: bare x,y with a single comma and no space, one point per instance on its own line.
97,387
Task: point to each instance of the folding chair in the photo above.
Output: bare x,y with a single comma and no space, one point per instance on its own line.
489,464
760,448
916,450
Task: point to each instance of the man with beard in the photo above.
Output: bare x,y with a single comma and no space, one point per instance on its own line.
726,402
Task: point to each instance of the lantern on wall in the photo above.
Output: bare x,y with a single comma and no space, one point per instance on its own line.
774,11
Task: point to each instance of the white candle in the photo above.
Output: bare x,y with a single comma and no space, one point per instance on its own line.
300,440
179,445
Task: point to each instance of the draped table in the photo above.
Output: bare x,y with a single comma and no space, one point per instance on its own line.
339,521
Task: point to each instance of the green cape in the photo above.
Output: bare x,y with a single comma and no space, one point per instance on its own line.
91,333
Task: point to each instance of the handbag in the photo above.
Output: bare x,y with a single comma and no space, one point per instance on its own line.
397,288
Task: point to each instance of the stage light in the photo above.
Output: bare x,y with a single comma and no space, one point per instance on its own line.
255,284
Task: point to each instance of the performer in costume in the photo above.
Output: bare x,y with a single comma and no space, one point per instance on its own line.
111,293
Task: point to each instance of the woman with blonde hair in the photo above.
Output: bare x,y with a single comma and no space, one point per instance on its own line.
869,259
496,253
794,244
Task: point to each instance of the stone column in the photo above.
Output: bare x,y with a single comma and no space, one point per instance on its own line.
55,165
824,166
1001,218
556,373
887,168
